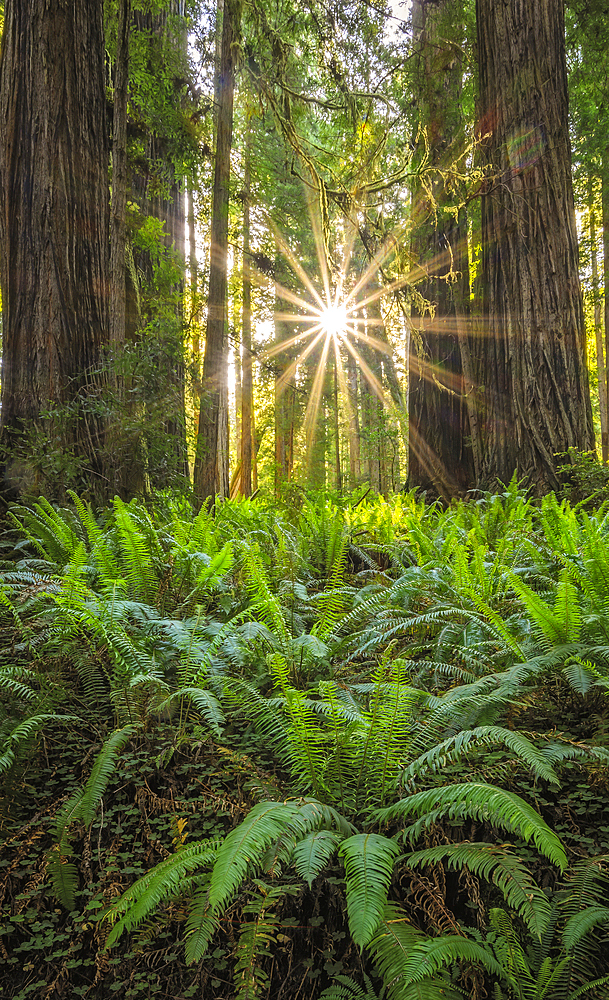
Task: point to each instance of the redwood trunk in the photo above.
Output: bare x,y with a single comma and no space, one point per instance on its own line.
246,335
208,474
440,458
532,369
54,214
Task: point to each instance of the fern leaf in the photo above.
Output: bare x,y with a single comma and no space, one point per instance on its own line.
201,925
391,948
205,703
435,954
582,923
486,803
23,732
582,990
452,749
102,772
497,865
257,940
162,882
313,852
64,876
136,553
244,847
368,860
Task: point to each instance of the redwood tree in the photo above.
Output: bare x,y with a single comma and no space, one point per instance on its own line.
211,462
54,217
532,376
441,457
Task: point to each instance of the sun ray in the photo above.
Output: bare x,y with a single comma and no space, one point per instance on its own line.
285,376
312,411
287,295
298,268
371,378
274,349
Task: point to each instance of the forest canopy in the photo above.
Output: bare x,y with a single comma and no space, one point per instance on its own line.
304,546
328,244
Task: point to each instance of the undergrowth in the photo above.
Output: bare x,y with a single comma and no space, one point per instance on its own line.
318,748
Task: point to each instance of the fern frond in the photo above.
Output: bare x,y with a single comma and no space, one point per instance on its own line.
368,859
452,749
201,924
63,874
101,773
136,553
311,854
204,702
483,802
391,949
244,847
257,940
580,924
162,882
501,867
23,733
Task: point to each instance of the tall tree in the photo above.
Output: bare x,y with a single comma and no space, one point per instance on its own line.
441,456
532,364
246,330
54,216
211,462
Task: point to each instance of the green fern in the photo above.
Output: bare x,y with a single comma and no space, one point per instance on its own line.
312,854
165,881
369,859
391,949
486,803
257,940
501,867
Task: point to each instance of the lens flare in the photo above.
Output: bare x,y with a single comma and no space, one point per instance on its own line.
333,320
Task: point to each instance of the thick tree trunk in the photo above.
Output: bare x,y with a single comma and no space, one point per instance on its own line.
209,476
598,326
54,216
440,459
605,224
354,427
246,334
532,366
118,219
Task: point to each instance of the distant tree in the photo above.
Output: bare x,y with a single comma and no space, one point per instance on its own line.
211,462
531,358
54,222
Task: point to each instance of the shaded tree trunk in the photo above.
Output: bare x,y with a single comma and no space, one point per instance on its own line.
605,225
439,459
246,333
54,217
598,326
211,463
532,364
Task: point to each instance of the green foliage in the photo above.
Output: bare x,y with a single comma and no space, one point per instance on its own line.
458,698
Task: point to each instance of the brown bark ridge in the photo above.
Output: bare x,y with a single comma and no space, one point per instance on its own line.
54,214
532,375
246,336
440,452
208,476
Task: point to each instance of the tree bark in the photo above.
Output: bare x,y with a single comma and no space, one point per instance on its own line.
54,216
246,333
118,218
598,326
605,225
531,360
209,456
440,456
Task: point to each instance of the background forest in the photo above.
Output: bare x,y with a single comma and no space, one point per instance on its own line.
305,553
